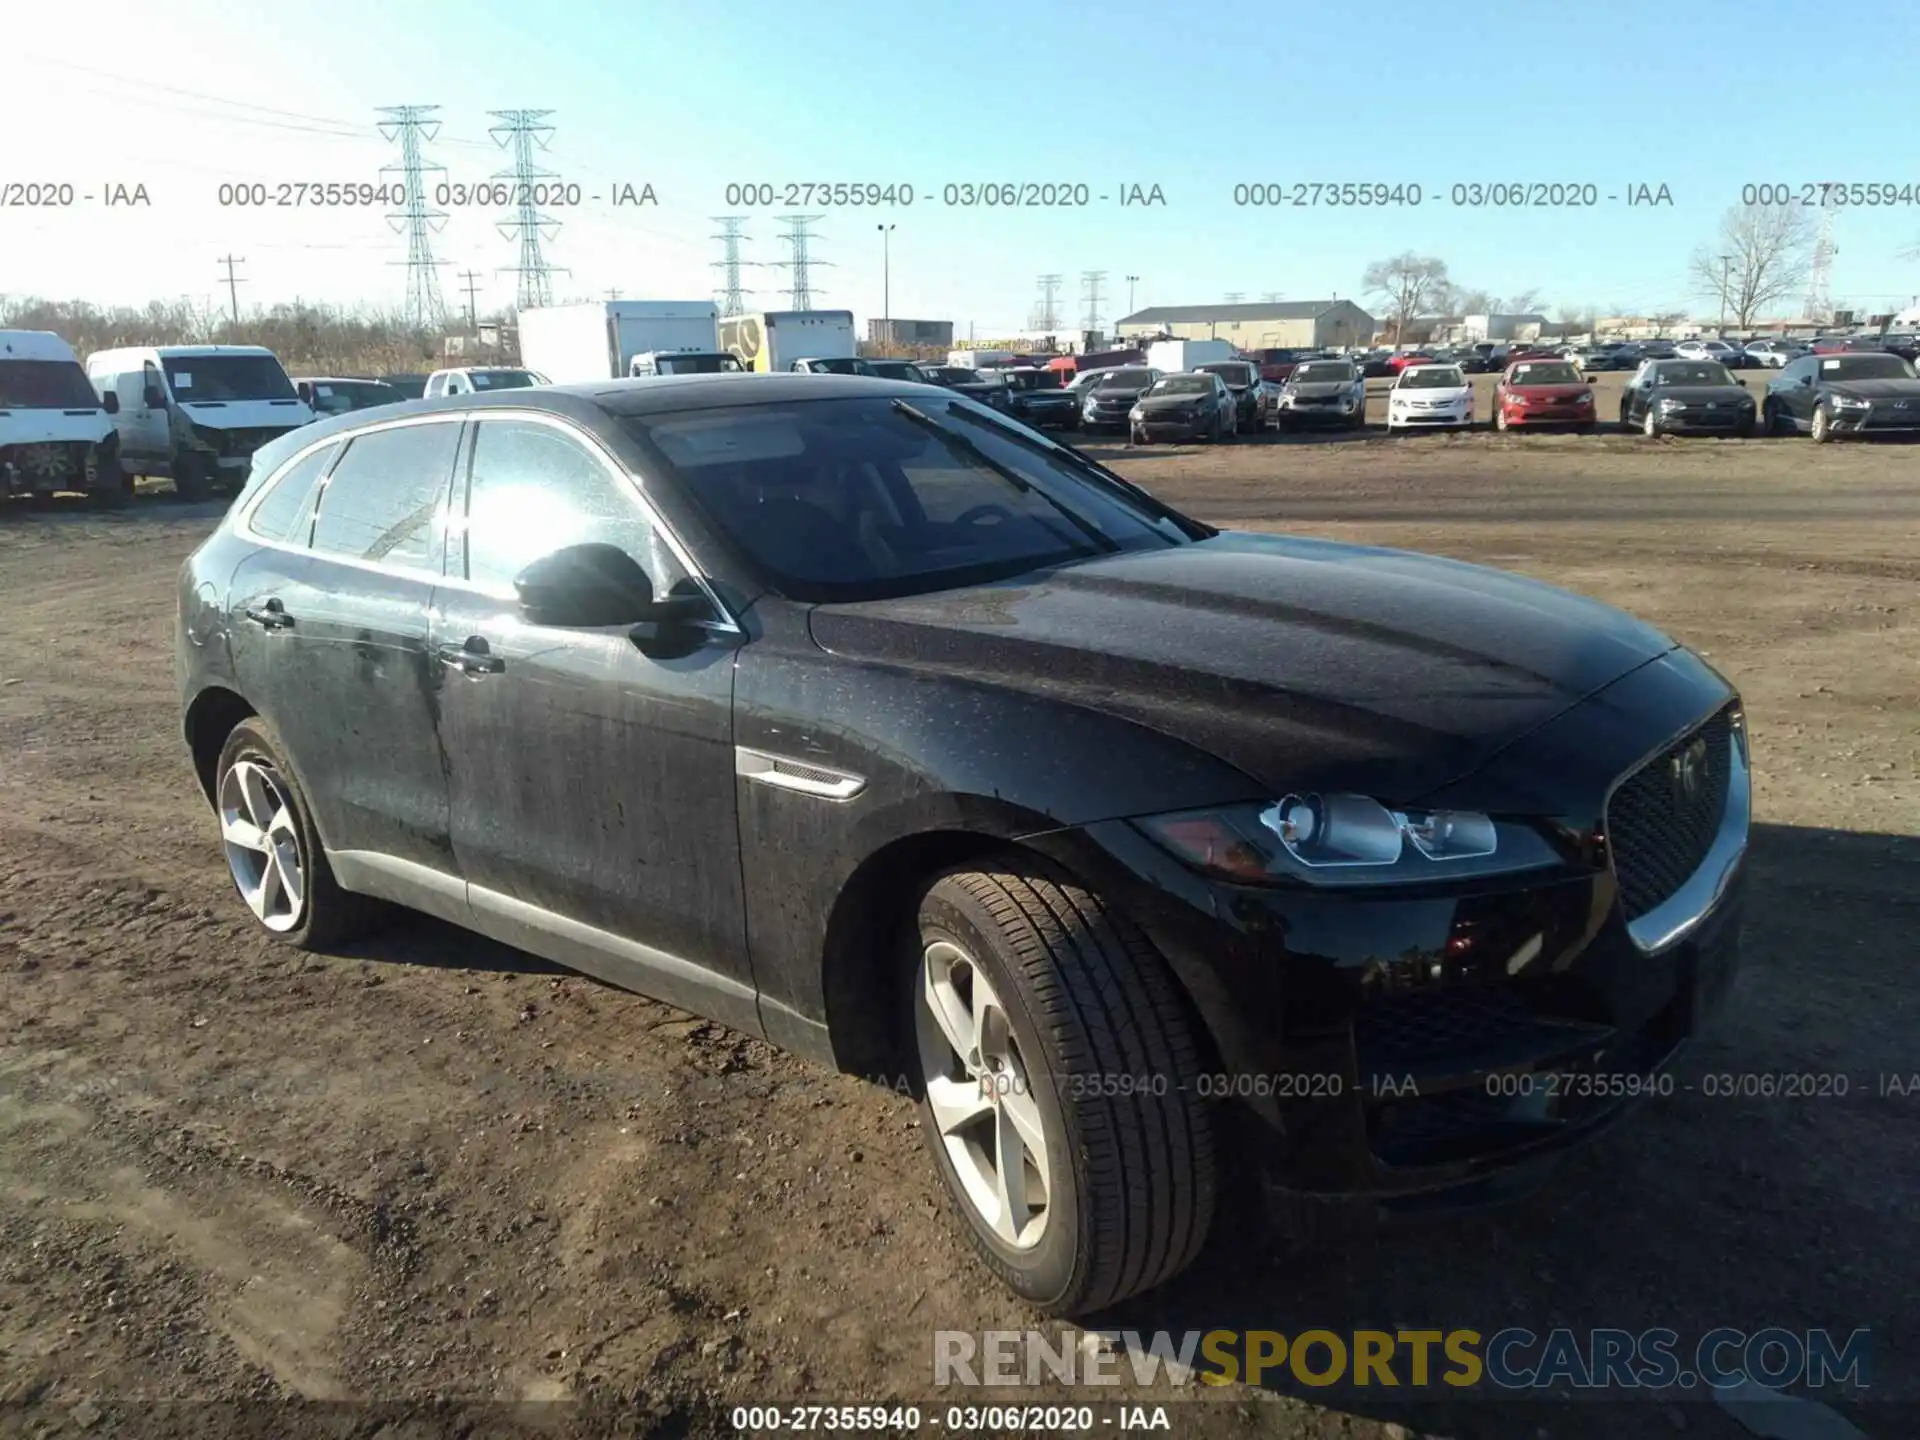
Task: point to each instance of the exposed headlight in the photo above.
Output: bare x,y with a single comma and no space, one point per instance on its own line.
1136,413
1849,402
1348,840
1585,397
1671,404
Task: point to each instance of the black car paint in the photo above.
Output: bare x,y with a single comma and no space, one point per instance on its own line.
1046,712
1708,408
1193,415
1798,390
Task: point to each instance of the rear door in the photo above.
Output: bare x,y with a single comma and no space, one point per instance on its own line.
338,615
592,785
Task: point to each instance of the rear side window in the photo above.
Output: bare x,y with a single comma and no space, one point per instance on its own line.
382,497
281,513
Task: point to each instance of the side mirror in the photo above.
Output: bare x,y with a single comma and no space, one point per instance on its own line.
583,585
110,402
1741,383
152,398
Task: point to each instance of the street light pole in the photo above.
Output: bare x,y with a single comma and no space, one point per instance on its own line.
1725,261
1132,280
886,282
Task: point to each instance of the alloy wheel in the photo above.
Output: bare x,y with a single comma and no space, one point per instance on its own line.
1822,424
982,1100
262,843
1650,425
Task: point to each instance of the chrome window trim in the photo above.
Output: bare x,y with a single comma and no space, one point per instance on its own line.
632,485
1682,912
244,520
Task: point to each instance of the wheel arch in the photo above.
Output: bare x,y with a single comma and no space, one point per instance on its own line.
210,718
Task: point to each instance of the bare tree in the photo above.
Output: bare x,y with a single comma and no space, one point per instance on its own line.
1410,284
1665,320
1577,319
1526,302
1764,254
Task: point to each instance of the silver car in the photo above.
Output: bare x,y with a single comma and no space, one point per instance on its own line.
1775,354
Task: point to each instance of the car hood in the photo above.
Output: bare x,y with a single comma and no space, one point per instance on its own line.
1888,389
246,414
1434,392
1320,389
1548,392
1303,663
1117,397
1172,402
1700,394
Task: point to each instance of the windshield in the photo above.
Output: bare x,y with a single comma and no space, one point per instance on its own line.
1439,377
503,379
1126,380
227,377
1183,385
46,385
1233,372
1033,379
1324,372
840,365
1697,372
954,375
716,364
1545,372
337,397
868,498
1866,367
411,387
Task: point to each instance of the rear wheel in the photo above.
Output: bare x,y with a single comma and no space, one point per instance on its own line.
1057,1066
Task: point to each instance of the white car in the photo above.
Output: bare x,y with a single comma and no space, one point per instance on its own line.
1717,350
482,380
1776,354
1428,397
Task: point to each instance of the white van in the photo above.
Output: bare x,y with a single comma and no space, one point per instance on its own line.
196,413
55,432
482,380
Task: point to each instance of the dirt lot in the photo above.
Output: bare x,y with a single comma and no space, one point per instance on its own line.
435,1168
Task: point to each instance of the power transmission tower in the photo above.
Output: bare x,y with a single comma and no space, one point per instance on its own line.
521,131
233,294
1049,312
471,280
416,218
1820,285
1090,282
732,296
799,263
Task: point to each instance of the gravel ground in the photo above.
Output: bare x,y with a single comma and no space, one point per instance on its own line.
436,1170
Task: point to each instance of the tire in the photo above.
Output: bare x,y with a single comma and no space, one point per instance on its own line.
1500,418
192,478
1822,429
1771,418
1650,426
1131,1180
322,915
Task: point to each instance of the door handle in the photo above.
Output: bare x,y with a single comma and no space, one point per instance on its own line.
471,658
270,616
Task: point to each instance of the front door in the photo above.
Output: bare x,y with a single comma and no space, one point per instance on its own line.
592,785
145,433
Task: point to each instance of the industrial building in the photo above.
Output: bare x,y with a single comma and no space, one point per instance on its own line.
893,334
1299,324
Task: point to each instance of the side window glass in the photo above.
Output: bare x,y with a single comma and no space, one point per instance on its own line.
282,510
151,379
381,500
535,489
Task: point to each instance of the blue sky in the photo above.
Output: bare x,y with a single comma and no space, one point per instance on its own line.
691,96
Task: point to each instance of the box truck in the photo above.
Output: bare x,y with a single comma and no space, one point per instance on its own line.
775,340
1171,356
571,343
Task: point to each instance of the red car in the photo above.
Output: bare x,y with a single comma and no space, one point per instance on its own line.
1548,391
1533,352
1276,364
1404,358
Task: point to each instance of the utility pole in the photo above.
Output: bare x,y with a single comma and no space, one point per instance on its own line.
1132,280
472,278
416,218
233,294
520,131
1234,297
613,294
1726,262
886,283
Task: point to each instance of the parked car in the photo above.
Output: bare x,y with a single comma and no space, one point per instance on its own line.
1656,350
1401,359
1242,377
337,394
1680,397
1596,358
1276,362
971,383
1429,397
411,387
898,370
1084,381
1037,397
1187,405
1377,363
1543,392
1108,401
831,365
1324,392
1483,357
56,431
481,380
1056,786
1534,352
1834,396
1774,354
1717,350
1904,344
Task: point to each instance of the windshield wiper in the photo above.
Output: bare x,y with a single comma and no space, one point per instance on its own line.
971,448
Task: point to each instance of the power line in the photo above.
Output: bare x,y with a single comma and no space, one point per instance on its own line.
471,280
1049,312
732,297
233,293
799,263
521,131
1234,297
1090,282
416,219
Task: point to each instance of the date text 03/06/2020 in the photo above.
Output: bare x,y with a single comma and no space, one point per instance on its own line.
1463,195
952,194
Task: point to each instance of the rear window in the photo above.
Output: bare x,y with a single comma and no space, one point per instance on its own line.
380,500
279,514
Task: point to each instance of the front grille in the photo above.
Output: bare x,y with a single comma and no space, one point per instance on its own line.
1660,828
1402,1032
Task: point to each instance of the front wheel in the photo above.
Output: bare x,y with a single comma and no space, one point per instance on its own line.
1499,417
1822,425
1057,1066
1650,427
193,477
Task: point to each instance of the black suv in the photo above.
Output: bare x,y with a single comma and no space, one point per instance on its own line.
860,717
